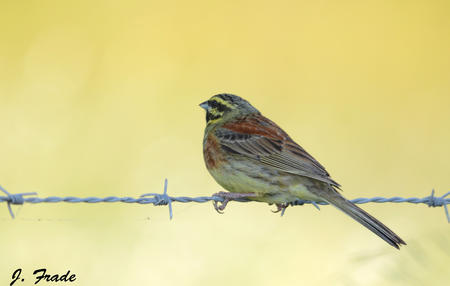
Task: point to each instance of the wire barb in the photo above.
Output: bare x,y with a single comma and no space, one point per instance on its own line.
439,202
164,199
15,199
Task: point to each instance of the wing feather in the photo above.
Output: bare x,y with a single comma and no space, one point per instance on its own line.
261,139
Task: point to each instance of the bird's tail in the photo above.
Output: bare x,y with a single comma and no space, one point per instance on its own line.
361,216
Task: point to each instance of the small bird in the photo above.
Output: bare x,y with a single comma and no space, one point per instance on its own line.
253,158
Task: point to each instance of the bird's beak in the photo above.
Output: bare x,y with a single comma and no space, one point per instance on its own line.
204,105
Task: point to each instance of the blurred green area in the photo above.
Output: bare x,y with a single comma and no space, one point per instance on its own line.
100,98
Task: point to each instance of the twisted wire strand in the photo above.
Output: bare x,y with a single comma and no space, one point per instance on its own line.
164,199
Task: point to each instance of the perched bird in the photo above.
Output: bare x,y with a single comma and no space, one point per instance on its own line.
253,158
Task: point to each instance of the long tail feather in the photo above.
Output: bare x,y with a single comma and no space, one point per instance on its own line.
362,217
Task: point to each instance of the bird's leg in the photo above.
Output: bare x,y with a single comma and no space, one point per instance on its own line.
281,208
227,196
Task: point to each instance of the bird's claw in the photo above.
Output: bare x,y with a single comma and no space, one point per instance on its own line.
281,208
227,197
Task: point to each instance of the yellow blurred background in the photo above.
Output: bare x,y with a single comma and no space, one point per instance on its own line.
100,98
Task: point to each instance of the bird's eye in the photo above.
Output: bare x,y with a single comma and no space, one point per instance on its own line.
213,104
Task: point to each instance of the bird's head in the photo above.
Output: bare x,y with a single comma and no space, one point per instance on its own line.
222,107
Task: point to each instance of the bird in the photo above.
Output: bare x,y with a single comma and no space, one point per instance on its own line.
254,159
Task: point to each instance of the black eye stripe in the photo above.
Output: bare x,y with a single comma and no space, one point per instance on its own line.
218,106
213,103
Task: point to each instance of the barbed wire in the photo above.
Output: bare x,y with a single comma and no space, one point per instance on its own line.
164,199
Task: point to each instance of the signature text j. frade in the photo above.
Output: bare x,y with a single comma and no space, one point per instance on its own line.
41,275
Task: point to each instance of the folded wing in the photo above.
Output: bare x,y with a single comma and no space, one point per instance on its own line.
260,139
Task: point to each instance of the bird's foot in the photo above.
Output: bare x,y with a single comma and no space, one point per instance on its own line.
281,208
227,196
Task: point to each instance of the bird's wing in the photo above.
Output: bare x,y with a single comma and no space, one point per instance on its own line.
258,138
